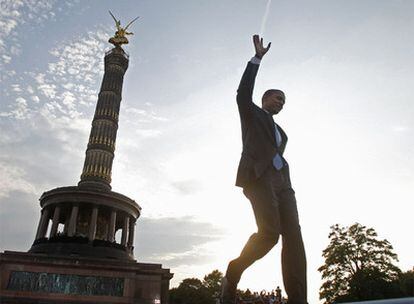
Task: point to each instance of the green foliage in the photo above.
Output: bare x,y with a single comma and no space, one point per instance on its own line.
194,291
212,282
358,266
406,283
369,284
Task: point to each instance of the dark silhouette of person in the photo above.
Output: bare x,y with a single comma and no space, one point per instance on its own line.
278,294
263,173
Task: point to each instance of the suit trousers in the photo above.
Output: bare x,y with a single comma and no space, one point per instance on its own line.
274,206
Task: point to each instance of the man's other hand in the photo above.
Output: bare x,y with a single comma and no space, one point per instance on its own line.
258,45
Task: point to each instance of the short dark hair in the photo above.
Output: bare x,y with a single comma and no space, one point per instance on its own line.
272,91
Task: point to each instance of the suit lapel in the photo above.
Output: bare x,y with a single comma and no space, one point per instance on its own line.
270,127
269,124
284,138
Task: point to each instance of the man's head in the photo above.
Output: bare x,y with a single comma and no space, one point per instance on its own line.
273,101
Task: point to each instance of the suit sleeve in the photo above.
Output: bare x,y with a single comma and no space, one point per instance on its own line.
245,91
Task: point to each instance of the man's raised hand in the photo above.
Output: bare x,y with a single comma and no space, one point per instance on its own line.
258,45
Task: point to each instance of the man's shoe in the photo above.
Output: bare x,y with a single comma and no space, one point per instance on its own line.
228,292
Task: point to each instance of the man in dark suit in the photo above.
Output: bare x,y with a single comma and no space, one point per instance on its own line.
263,174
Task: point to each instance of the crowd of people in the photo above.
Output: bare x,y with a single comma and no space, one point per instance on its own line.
264,297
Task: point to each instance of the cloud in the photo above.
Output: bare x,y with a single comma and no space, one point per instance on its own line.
16,88
13,179
6,58
44,124
70,83
14,14
48,90
189,258
177,241
143,115
35,98
19,109
186,187
18,220
55,97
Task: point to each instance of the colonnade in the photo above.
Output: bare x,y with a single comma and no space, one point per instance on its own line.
70,223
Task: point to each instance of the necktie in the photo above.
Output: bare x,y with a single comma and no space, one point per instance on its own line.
277,159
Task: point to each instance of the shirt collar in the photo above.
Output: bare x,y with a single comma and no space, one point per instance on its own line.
268,113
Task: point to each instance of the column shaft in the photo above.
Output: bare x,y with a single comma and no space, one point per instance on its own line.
44,221
111,231
66,227
92,224
131,233
125,229
73,220
55,222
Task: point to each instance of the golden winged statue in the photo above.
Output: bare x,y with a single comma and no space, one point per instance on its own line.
120,34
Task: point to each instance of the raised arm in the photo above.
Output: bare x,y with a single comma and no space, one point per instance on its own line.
246,86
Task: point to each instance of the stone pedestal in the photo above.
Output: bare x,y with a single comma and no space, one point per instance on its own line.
41,278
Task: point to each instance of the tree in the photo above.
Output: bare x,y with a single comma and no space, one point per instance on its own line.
190,291
358,266
370,284
212,282
194,291
406,283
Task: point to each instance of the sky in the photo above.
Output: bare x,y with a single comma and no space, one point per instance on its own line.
345,66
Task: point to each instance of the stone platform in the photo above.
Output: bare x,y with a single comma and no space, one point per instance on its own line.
39,278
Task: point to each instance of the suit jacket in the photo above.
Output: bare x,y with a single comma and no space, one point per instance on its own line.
258,132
